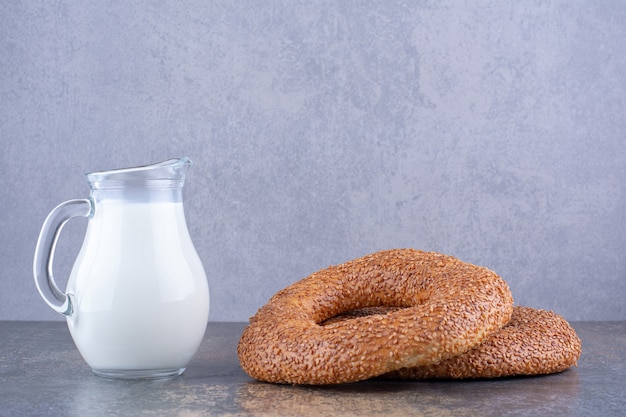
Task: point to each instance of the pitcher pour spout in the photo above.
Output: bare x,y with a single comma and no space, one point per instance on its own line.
168,173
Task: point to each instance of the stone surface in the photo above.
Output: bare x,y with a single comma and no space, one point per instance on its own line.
42,374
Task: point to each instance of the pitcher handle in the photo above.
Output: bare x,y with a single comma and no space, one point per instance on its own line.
44,252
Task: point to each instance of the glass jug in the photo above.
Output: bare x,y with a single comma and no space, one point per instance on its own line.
137,299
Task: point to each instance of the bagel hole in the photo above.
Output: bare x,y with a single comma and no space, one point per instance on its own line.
361,312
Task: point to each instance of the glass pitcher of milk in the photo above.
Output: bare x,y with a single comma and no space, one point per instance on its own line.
137,299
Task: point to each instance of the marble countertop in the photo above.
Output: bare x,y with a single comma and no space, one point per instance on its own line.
42,373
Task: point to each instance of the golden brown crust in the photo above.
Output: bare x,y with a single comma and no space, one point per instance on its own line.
449,307
534,342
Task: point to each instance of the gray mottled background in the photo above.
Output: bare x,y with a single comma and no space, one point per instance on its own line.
324,130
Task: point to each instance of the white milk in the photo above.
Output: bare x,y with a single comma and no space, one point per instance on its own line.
140,294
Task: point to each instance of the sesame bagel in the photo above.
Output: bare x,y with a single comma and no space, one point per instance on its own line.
534,342
448,308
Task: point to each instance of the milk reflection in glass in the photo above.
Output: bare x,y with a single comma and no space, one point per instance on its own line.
140,309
